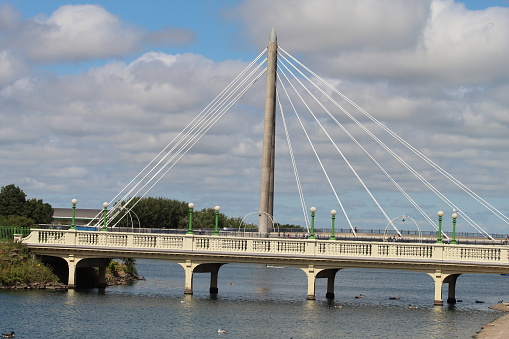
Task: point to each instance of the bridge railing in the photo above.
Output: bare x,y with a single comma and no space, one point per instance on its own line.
278,246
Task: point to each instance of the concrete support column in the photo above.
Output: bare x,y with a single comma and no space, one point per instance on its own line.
71,263
451,281
188,270
101,279
314,273
330,274
330,287
311,286
268,151
213,281
439,279
311,274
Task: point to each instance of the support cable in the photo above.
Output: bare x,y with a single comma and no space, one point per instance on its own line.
423,157
294,164
318,157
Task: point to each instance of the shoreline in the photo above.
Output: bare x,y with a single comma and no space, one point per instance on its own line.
498,328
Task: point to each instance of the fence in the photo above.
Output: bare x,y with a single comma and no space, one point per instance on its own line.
7,232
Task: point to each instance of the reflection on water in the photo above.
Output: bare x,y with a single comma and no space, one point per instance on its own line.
255,302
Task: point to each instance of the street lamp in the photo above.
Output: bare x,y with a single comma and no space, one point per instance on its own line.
190,229
73,202
454,216
312,235
216,229
105,211
333,213
439,236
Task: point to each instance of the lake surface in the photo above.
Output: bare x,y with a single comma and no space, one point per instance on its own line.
255,302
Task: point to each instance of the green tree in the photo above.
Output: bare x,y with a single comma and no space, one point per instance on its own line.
206,218
16,220
12,200
154,213
17,211
37,210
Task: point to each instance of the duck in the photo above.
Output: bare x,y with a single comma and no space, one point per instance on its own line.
360,296
8,335
412,306
338,306
394,298
479,302
222,331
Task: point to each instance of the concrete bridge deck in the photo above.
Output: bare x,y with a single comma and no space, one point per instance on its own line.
317,258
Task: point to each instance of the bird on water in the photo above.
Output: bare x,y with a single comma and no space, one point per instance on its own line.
8,335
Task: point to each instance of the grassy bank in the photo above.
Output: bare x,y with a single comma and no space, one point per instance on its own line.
18,268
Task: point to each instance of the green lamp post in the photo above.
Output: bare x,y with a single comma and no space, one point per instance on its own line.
439,235
73,224
216,229
454,217
191,208
105,211
332,235
312,234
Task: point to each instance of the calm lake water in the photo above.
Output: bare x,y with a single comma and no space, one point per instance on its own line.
255,302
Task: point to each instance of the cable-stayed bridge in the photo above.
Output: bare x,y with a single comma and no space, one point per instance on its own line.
333,129
353,151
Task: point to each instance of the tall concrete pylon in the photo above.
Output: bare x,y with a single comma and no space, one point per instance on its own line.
269,140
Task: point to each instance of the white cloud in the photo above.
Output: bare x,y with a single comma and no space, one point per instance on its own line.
433,71
79,33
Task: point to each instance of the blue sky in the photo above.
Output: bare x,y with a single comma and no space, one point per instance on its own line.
90,92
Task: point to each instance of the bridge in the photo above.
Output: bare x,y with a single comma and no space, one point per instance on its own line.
316,258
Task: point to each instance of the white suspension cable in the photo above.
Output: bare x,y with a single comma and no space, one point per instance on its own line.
422,156
317,156
294,164
192,128
191,142
362,148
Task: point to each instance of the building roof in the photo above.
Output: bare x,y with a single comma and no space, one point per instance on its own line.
80,213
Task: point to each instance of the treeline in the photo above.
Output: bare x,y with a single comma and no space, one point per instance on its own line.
169,213
17,210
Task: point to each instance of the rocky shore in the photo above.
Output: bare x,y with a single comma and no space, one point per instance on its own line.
498,328
20,270
36,286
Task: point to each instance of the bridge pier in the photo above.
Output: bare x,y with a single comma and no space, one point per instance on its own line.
451,280
190,268
71,263
315,273
439,279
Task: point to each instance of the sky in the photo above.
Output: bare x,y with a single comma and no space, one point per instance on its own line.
91,92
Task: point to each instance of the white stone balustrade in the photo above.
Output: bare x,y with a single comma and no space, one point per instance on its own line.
248,245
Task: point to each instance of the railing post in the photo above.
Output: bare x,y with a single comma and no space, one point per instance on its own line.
130,240
70,237
504,255
188,244
375,252
310,247
438,252
249,246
